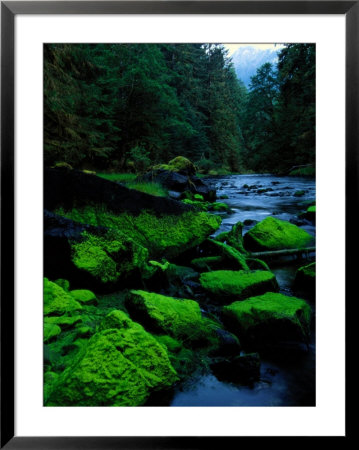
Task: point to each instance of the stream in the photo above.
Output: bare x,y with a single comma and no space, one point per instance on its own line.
287,379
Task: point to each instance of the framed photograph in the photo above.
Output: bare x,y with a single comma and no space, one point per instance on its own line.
167,279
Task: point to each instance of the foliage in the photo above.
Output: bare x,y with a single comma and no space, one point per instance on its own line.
125,107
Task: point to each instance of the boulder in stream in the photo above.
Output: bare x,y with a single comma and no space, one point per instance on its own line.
226,285
179,175
267,319
276,234
179,318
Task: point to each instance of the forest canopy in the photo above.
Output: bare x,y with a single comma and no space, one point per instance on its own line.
125,107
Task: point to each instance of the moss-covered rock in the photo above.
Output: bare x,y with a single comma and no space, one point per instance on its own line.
178,164
234,238
57,301
179,318
51,331
200,205
84,296
219,207
222,237
268,319
108,258
164,236
198,197
64,321
64,284
229,284
231,256
275,234
305,277
120,366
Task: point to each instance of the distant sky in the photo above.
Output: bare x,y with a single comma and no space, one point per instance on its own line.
233,47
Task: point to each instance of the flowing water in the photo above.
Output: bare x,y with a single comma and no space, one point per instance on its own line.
287,379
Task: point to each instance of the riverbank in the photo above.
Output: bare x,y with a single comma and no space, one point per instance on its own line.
190,337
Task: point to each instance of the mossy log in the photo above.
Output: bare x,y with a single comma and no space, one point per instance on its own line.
286,252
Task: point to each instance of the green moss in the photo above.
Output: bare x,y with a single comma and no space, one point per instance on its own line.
268,316
84,296
95,261
150,188
64,284
235,258
200,205
180,318
311,209
275,234
108,258
224,284
119,177
119,367
63,321
57,301
218,206
171,344
166,236
182,164
116,319
235,238
222,237
84,332
206,206
51,331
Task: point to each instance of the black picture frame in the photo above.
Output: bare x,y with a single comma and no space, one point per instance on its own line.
9,9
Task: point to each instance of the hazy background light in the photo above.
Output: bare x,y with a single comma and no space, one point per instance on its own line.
233,47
